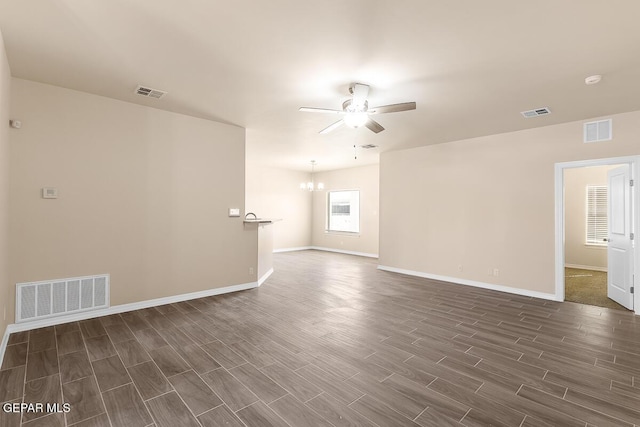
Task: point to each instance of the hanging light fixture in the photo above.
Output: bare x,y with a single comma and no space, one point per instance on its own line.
310,185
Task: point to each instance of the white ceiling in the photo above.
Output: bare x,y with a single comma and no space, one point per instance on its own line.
470,65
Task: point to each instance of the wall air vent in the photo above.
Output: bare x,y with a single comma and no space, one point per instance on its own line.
53,298
368,146
544,111
150,93
598,131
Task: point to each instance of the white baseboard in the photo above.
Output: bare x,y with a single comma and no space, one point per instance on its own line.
321,248
299,248
473,283
265,276
5,341
586,267
340,251
121,309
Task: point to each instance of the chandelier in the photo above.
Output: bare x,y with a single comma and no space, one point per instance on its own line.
311,185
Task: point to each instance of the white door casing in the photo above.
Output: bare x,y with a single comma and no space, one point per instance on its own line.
620,250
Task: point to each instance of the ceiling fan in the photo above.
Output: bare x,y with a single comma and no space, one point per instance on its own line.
356,110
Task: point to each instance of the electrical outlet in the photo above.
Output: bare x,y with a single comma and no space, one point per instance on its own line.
489,272
250,271
496,272
460,267
49,193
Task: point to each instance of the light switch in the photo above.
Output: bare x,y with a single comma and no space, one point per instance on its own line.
234,212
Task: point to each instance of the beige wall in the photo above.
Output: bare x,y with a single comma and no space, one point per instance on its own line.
143,195
577,252
485,203
275,193
6,305
364,178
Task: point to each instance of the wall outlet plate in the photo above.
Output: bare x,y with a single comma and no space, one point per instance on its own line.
49,193
234,212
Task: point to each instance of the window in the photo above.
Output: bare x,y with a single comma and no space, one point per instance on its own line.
344,211
597,230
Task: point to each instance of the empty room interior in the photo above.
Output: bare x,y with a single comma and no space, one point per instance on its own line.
330,213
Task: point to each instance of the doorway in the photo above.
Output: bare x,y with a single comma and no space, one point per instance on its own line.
585,235
583,273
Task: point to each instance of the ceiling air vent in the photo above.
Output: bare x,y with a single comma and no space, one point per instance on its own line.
368,146
598,131
150,93
544,111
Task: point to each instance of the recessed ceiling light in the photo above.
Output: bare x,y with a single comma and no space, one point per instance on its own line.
591,80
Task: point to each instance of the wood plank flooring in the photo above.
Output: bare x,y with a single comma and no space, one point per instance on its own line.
329,340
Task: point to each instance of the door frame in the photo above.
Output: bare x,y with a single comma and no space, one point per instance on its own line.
559,168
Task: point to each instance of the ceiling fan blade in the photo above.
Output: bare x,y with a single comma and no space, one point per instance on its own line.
374,126
393,108
332,127
319,110
360,93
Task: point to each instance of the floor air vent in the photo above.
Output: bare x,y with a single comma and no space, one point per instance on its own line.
54,298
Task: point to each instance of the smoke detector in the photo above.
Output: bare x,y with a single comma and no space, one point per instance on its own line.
544,111
591,80
149,92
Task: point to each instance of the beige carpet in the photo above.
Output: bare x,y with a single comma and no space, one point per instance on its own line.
588,287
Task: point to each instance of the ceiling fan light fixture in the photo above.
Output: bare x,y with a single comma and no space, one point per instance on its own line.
356,111
355,120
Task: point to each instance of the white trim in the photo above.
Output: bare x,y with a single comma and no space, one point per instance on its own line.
265,276
586,267
340,251
300,248
5,341
483,285
634,162
321,248
128,307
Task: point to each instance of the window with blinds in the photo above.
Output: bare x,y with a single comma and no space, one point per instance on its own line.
597,230
344,211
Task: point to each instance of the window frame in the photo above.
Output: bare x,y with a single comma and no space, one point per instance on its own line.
328,228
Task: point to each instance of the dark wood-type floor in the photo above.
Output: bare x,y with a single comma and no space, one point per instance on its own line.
329,340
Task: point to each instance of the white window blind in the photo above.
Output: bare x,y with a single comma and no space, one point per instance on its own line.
597,230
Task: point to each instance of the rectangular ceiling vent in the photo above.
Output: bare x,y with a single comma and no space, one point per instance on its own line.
149,92
600,130
544,111
54,298
368,146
